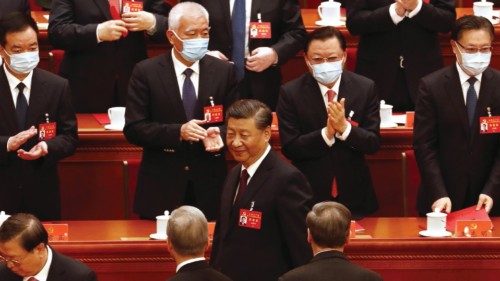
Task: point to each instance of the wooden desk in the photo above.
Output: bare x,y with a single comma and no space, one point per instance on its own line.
395,251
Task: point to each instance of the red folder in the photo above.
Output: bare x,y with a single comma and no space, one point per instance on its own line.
469,213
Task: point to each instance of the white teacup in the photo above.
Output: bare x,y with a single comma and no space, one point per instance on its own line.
483,9
436,222
329,11
117,116
161,224
385,113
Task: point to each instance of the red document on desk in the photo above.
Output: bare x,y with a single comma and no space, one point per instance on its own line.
466,214
102,118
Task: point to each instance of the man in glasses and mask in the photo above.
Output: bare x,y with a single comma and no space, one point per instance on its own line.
169,96
459,163
328,120
38,126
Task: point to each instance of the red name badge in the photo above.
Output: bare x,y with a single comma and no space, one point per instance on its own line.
353,123
213,114
473,228
260,30
47,131
489,125
131,6
57,231
250,219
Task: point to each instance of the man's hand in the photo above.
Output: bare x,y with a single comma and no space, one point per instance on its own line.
336,111
14,142
111,30
139,21
192,131
442,204
330,131
37,151
485,200
261,58
408,5
213,141
218,55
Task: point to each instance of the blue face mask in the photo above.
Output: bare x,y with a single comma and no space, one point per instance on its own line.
193,49
24,62
328,72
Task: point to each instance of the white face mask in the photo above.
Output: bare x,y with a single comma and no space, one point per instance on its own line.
24,62
474,63
193,49
327,72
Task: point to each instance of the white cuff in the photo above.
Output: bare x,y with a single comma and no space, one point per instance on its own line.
346,133
394,16
416,10
97,32
328,141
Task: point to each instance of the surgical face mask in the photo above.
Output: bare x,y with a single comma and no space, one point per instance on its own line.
24,62
193,49
327,72
475,63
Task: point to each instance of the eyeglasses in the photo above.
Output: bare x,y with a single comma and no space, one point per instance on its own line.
321,60
15,262
471,50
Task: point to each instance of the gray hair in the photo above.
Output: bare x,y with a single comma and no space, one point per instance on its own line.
190,9
188,231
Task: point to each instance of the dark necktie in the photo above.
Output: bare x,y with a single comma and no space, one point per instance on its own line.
471,100
243,184
21,107
238,18
188,95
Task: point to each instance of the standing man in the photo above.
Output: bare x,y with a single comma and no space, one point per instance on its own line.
26,255
257,56
187,242
328,120
328,228
101,46
399,43
182,162
272,196
38,125
459,164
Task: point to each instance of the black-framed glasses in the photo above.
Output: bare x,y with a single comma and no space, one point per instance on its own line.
472,50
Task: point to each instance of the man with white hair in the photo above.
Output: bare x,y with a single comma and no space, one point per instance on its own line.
182,162
187,241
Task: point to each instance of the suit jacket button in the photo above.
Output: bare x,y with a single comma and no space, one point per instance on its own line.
186,168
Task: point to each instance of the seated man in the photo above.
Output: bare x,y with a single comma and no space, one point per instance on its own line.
25,254
328,232
187,241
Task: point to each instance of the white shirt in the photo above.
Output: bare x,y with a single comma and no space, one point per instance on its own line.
44,273
187,262
397,19
13,82
323,90
465,85
253,168
179,68
248,11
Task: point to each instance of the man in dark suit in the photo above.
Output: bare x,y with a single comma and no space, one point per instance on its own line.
328,228
257,60
261,231
182,162
459,165
187,242
31,99
26,255
399,43
101,47
9,6
328,120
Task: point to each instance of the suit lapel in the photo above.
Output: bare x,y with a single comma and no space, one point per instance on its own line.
7,107
166,74
206,71
227,201
345,93
455,94
484,101
56,269
315,101
103,5
37,100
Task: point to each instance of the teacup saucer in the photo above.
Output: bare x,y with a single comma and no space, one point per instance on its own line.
388,125
114,127
158,236
330,23
427,233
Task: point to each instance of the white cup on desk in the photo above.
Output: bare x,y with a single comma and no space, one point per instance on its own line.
483,9
329,11
116,117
